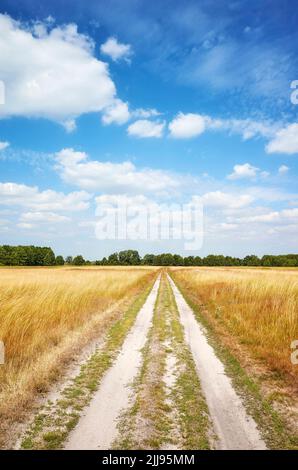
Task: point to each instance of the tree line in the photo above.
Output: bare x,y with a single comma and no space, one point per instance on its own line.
168,259
44,256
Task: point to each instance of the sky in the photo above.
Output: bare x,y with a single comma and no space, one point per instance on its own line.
149,103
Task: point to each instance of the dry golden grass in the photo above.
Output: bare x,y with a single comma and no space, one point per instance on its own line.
40,308
259,307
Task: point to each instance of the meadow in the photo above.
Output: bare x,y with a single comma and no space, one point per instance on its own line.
49,314
46,314
254,308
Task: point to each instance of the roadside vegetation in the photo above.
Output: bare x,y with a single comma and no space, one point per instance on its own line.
258,308
46,315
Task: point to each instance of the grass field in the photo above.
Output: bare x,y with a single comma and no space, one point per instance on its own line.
256,307
48,316
44,313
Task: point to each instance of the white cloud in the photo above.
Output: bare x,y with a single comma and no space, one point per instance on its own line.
75,168
290,213
145,113
13,194
116,50
187,125
247,128
4,145
69,125
271,216
122,199
227,226
87,224
284,229
219,199
25,225
43,217
271,194
283,169
285,140
117,113
244,171
51,73
144,128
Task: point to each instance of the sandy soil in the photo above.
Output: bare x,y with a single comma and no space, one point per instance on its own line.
97,428
235,429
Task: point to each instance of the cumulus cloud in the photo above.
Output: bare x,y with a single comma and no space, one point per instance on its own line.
145,113
291,213
220,199
116,50
25,225
122,199
43,217
145,128
285,140
51,72
283,169
270,217
13,194
243,171
69,125
75,168
282,216
4,145
226,226
117,113
246,171
187,125
247,128
281,139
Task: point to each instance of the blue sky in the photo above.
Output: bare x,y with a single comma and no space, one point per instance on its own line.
162,101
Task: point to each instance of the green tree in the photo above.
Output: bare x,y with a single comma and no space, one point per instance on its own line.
178,260
214,260
78,260
149,260
19,256
59,260
129,257
113,259
251,260
267,260
189,261
49,257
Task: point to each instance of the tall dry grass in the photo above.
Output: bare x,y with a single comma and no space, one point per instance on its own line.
258,307
41,308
